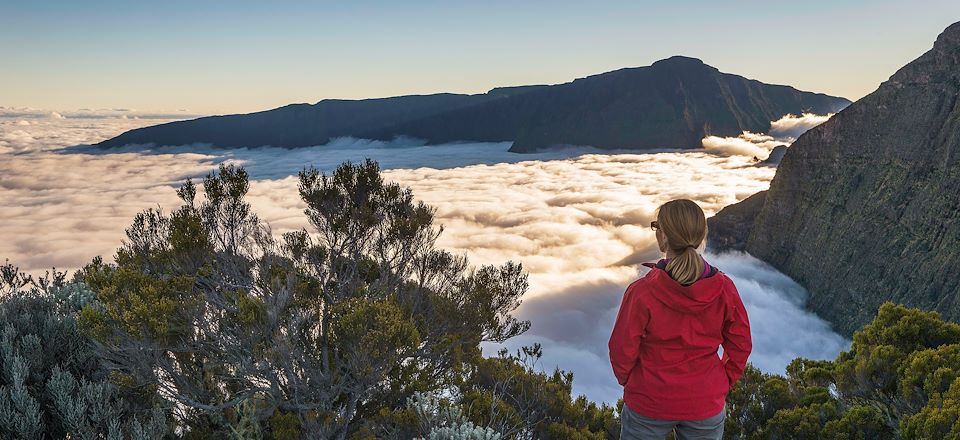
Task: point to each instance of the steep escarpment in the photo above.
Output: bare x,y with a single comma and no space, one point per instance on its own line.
673,103
865,208
730,228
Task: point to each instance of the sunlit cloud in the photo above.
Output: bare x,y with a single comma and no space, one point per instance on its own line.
747,144
792,126
577,220
759,145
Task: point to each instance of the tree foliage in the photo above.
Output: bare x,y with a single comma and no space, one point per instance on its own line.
321,333
898,380
509,392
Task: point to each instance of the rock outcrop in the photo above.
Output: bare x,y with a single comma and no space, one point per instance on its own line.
673,103
730,228
776,155
865,208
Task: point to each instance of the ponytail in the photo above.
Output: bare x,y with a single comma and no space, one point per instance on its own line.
686,267
685,227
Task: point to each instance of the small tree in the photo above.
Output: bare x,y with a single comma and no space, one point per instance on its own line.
331,329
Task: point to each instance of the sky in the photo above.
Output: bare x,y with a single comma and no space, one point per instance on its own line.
219,56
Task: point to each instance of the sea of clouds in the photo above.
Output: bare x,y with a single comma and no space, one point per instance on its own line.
782,132
577,219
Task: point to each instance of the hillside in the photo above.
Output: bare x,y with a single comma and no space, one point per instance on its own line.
673,103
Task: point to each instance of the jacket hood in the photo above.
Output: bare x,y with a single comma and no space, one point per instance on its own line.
688,299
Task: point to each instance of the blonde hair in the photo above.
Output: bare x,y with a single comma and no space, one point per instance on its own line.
685,227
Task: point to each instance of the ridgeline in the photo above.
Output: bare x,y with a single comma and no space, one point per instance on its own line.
673,103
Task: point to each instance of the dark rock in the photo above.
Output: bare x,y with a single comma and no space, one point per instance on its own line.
776,155
673,103
729,229
865,208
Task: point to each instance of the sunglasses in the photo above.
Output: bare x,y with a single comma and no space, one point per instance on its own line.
655,225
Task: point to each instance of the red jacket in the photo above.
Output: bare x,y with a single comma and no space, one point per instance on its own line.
664,345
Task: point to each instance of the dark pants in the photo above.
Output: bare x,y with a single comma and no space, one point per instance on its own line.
633,426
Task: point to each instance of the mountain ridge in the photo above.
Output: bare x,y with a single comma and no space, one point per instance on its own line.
672,103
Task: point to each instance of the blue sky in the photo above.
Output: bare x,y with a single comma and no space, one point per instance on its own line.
224,56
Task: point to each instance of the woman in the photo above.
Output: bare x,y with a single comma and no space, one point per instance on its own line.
664,344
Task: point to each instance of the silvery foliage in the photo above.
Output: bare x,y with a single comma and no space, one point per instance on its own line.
441,420
73,296
85,408
51,385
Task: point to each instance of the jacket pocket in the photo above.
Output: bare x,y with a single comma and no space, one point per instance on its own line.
633,372
727,386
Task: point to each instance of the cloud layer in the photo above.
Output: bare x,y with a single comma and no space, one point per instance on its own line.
792,126
782,132
577,220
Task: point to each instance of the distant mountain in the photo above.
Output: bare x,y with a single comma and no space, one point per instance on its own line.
865,208
673,103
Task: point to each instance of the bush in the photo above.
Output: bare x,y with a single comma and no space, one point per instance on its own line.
52,385
898,380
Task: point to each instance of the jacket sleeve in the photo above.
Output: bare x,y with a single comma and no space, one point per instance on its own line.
626,337
737,342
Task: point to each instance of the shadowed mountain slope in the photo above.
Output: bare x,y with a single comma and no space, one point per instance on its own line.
673,103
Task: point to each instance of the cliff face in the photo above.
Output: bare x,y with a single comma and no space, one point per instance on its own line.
730,228
673,103
865,208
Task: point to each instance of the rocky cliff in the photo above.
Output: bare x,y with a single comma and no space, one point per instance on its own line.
865,208
673,103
